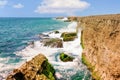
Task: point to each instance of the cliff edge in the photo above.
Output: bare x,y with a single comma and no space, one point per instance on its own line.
36,69
101,43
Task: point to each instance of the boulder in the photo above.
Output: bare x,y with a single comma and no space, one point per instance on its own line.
56,32
65,58
53,42
36,69
69,36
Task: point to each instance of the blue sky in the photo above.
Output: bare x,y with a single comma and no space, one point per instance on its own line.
53,8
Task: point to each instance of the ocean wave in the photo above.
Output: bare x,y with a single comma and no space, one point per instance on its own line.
62,68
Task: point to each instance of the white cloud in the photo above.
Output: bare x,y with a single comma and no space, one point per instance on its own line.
3,3
19,5
61,6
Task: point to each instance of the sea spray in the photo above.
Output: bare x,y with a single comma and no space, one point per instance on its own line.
64,70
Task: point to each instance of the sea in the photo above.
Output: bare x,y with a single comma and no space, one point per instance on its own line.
16,34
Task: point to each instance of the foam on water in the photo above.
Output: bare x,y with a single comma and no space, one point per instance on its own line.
64,70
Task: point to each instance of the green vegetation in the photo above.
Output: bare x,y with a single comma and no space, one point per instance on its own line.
65,58
65,34
56,32
69,36
82,40
48,70
88,64
94,74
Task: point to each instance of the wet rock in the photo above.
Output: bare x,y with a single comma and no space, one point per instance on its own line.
43,35
36,69
65,58
56,32
69,36
53,42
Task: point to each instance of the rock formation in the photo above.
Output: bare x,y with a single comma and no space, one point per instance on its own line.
66,58
52,42
36,69
101,43
69,36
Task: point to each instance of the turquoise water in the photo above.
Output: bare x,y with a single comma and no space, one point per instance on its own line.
15,33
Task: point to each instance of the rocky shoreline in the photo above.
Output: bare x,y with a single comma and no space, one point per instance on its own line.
39,68
100,38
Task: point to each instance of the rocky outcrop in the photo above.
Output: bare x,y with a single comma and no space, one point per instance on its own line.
69,36
36,69
52,42
66,58
101,43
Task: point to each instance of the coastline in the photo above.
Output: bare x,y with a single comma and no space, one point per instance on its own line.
52,54
100,37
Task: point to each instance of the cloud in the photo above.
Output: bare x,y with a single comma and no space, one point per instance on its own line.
3,3
61,6
19,5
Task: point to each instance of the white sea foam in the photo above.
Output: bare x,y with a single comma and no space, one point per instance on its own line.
72,48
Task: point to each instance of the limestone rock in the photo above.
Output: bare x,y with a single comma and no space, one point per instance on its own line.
34,70
101,40
53,42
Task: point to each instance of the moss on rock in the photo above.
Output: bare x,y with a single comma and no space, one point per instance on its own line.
94,74
65,58
69,36
48,70
36,69
82,40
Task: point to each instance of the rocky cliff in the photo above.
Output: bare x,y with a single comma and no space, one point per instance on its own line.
36,69
101,43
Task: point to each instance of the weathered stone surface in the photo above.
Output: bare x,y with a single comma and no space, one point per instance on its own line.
34,70
69,36
101,40
53,42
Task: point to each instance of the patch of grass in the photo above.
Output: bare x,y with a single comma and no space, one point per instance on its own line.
48,70
65,58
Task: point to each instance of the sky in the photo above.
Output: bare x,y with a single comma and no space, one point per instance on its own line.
54,8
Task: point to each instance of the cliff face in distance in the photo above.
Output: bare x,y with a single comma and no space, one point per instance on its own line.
36,69
101,41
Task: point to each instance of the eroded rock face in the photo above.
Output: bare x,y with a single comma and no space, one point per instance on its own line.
36,69
53,42
101,40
